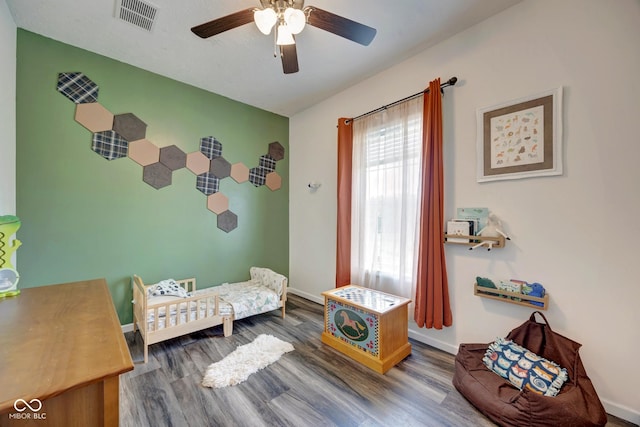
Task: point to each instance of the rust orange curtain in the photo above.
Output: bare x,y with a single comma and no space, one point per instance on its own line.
432,308
343,246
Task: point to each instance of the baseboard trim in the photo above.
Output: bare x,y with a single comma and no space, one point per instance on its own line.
127,328
621,411
440,345
306,295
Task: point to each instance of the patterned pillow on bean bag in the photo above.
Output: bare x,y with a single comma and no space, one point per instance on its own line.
522,368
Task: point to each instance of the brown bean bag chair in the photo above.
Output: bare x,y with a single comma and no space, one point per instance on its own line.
577,403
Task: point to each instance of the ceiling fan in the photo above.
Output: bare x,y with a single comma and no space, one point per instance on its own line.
288,17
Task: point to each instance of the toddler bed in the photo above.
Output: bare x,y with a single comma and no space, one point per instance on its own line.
172,308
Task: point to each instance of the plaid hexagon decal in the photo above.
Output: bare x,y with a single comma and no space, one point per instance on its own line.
268,163
110,145
77,87
207,183
257,176
210,147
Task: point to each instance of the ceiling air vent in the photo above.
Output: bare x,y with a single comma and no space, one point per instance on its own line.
137,12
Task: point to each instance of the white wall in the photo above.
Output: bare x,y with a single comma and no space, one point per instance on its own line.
574,233
7,111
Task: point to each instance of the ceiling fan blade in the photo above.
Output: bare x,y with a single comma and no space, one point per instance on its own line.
223,24
340,26
289,56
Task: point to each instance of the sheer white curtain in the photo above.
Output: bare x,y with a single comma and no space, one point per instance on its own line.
385,198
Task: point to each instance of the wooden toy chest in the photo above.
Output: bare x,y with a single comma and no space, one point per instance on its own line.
367,325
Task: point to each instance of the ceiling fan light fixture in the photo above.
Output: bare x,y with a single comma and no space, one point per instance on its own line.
295,19
284,36
265,19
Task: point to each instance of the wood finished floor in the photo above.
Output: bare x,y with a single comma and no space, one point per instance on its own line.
312,386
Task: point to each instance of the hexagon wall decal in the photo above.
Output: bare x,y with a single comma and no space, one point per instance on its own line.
217,203
239,172
122,135
257,176
276,151
156,175
109,145
197,162
227,221
267,163
173,157
273,181
207,183
144,152
77,87
94,116
220,167
210,147
129,126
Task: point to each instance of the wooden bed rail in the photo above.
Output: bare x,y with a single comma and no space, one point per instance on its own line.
200,306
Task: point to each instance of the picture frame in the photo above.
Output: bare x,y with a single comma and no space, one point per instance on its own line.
521,138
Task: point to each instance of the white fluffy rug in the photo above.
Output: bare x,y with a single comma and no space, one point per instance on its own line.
245,360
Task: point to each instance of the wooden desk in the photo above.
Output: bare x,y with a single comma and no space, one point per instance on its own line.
62,345
367,325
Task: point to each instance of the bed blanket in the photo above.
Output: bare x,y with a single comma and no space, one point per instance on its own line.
248,298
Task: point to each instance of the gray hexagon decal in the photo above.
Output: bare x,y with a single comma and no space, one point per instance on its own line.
129,126
156,175
173,157
276,151
227,221
220,167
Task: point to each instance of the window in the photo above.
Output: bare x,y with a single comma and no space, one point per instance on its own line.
385,198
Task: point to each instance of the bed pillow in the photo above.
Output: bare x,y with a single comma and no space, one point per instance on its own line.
268,278
524,369
168,287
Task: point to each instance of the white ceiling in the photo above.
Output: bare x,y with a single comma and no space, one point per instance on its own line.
239,63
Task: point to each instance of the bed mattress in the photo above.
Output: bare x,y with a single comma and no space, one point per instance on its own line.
239,300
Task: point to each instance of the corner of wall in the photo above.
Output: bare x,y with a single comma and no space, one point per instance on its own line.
8,32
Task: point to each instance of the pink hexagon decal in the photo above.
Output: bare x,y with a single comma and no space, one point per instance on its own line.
144,152
239,172
94,116
197,163
273,181
217,203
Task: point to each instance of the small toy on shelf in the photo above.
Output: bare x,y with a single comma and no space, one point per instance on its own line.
534,290
486,283
514,291
492,229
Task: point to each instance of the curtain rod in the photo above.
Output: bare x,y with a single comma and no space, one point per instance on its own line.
451,82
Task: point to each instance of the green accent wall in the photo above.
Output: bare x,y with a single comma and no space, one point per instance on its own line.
86,217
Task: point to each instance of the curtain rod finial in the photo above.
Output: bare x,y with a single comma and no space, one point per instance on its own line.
452,81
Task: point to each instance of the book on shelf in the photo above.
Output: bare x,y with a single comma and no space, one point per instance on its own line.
481,215
460,228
